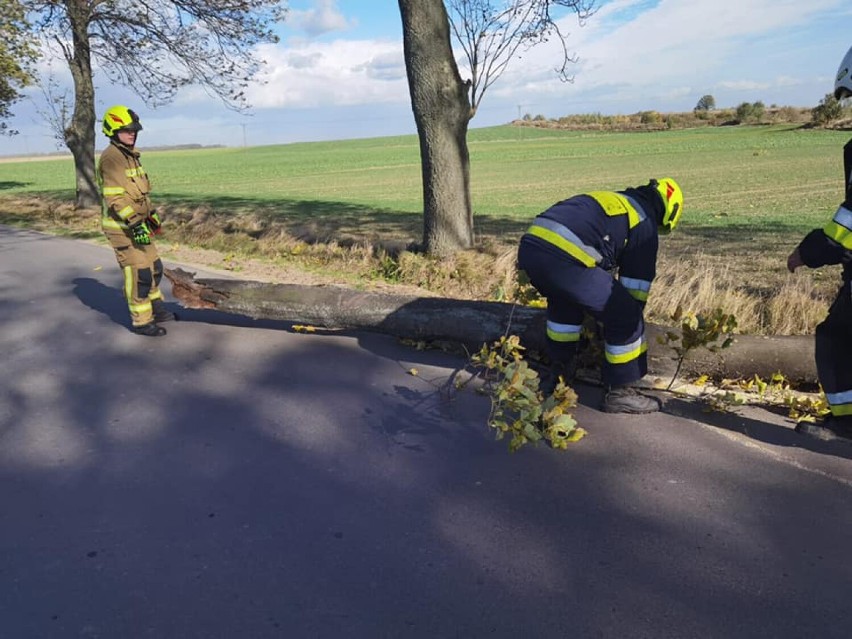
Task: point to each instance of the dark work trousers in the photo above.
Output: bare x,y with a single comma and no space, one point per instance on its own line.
834,353
572,289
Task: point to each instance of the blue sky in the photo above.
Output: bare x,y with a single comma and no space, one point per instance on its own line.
339,73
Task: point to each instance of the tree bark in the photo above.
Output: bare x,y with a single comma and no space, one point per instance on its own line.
80,135
442,111
473,323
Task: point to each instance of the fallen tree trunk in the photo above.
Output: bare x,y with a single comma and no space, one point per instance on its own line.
472,323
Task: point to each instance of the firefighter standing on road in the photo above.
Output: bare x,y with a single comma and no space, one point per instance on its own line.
597,253
129,221
833,245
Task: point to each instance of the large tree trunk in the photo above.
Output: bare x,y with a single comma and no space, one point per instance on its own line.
473,323
439,99
80,134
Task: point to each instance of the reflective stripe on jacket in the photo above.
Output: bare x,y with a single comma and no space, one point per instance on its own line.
606,229
839,228
831,244
124,187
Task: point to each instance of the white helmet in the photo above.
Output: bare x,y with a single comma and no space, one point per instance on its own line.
843,83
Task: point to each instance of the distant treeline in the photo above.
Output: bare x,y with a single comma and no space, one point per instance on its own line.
746,113
183,147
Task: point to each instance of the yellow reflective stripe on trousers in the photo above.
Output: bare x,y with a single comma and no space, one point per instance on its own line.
563,238
113,190
128,283
563,332
639,289
840,403
142,307
840,227
625,353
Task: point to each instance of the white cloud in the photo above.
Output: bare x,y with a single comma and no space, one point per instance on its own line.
651,53
685,39
342,72
304,61
325,17
389,65
743,85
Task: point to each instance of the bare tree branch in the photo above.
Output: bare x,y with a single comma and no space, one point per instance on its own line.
491,34
58,104
156,47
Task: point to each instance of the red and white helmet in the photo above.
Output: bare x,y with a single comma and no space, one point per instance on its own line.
843,83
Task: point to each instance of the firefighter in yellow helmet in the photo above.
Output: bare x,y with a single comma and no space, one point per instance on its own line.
129,222
832,244
596,253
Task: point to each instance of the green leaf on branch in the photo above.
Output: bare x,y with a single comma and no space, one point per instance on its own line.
698,330
518,407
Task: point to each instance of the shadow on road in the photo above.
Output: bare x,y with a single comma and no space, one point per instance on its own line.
103,299
110,302
768,430
263,484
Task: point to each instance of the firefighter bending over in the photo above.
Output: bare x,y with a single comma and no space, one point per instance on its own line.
597,253
129,222
833,245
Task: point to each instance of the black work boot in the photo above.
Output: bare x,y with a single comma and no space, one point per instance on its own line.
829,428
625,399
149,330
161,313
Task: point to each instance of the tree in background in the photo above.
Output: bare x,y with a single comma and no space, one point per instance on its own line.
829,109
490,34
750,112
17,54
154,47
706,103
743,112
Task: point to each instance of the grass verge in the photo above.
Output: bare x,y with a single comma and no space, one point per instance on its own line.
753,284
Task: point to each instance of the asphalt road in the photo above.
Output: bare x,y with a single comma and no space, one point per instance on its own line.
238,479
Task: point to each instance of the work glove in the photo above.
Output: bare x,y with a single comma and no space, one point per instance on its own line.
154,222
141,233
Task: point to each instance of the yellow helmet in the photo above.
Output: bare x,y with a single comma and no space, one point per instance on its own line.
120,118
672,197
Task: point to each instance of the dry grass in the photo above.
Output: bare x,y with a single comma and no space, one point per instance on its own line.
798,307
753,286
756,289
690,286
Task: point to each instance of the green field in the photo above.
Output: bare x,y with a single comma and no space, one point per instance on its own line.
759,178
751,193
